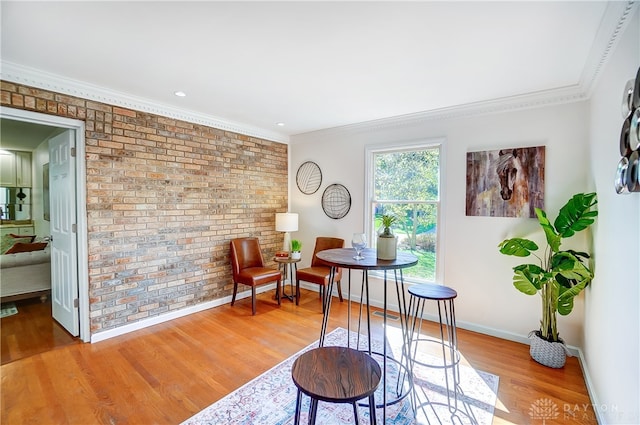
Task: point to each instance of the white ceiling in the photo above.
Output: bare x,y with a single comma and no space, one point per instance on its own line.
310,65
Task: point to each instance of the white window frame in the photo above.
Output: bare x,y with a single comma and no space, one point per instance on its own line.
369,201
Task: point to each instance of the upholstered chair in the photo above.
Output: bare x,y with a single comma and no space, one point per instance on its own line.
248,268
319,271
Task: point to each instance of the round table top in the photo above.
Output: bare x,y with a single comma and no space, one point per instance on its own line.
343,257
336,374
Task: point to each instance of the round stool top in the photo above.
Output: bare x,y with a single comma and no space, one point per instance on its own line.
432,292
336,374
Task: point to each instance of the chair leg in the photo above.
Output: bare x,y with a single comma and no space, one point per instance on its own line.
253,299
235,291
297,291
278,290
340,291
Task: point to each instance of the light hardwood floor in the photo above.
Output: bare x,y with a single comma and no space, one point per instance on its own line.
167,373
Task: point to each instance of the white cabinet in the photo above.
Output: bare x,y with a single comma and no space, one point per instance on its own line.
23,169
17,230
15,169
7,169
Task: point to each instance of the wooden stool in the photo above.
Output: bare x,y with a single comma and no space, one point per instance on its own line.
335,375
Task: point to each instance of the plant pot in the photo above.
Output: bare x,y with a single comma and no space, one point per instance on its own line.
387,247
551,354
295,255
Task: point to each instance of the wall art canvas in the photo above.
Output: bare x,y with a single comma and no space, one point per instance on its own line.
505,182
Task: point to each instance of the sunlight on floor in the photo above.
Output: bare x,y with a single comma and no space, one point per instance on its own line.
395,337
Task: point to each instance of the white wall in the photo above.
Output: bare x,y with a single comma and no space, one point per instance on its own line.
487,300
612,319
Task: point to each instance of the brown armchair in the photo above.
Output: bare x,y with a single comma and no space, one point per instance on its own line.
248,268
319,271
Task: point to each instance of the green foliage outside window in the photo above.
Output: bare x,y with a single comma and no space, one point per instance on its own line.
406,186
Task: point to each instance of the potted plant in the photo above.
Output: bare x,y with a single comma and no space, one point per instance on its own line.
559,276
296,246
386,247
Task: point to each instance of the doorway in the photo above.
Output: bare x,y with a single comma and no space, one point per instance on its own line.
76,270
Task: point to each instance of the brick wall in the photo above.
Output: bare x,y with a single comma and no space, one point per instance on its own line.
163,199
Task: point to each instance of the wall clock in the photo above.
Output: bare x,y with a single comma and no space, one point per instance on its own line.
336,201
309,178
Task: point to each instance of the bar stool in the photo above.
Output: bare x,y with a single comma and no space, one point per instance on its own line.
335,375
450,359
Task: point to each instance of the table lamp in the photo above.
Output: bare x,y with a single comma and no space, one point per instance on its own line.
286,222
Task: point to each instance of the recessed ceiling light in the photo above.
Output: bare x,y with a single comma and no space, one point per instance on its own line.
180,94
281,124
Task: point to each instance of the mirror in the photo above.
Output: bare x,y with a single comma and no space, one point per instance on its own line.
15,204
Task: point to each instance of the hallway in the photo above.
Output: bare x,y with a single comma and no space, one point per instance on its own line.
31,331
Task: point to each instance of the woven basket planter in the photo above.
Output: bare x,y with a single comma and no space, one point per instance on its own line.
551,354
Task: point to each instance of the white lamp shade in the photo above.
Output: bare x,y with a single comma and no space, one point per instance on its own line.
286,222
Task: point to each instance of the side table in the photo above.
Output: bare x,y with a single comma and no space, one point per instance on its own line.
289,272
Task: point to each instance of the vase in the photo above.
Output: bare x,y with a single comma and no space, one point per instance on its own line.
387,247
551,354
295,255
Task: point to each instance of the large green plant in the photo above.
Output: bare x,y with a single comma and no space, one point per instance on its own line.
560,275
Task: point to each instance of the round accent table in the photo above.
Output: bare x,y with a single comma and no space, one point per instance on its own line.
288,272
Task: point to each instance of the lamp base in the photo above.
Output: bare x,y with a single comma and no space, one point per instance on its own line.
286,245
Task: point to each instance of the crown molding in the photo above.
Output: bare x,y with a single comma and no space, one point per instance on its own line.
615,20
32,77
506,104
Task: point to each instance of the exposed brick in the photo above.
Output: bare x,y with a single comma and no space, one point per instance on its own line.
164,198
17,100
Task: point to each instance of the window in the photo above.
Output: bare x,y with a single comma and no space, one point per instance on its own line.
404,181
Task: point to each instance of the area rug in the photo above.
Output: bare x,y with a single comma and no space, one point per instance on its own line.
8,309
270,398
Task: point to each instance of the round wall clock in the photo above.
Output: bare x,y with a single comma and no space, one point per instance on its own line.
336,201
309,178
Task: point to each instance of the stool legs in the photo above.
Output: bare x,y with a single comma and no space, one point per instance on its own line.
296,419
313,410
448,343
448,328
372,410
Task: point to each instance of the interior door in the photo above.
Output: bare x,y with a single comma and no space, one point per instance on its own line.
64,285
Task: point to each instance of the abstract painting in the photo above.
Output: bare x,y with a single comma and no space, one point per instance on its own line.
505,182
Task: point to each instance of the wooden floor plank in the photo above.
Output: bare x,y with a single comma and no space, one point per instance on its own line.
167,373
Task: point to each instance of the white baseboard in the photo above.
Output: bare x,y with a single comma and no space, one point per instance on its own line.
145,323
590,388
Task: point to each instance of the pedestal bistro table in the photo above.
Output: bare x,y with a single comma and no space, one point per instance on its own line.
343,257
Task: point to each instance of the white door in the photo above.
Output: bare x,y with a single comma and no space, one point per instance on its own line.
62,184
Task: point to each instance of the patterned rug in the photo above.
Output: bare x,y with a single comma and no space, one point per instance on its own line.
8,309
270,398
